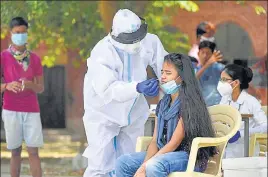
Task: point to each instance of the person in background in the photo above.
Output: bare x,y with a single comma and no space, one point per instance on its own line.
22,75
204,32
232,86
208,71
175,126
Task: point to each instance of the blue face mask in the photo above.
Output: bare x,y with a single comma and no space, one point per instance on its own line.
19,39
170,87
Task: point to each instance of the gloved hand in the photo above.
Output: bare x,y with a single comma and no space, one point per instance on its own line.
235,137
149,87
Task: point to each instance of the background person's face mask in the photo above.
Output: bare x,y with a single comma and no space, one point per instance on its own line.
19,39
170,87
132,48
203,38
225,88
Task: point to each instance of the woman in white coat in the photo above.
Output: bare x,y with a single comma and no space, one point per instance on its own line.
115,87
232,86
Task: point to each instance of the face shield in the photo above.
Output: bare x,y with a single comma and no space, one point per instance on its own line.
134,37
130,42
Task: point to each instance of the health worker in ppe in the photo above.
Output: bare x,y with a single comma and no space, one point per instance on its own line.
115,87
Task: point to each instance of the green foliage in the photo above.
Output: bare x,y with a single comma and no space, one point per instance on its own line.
260,10
76,25
61,25
158,15
240,2
187,5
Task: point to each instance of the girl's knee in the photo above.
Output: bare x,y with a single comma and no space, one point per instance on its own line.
121,162
154,166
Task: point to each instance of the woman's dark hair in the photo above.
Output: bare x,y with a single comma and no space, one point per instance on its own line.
238,72
193,59
201,29
18,21
196,119
207,44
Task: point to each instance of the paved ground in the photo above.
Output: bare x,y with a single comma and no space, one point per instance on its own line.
51,167
56,155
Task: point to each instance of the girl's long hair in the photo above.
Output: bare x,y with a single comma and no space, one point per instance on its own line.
194,112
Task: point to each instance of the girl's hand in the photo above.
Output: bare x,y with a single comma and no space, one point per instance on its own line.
141,171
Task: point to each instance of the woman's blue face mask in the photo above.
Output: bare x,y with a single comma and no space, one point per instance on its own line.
170,87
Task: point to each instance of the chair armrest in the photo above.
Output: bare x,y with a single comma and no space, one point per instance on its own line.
253,139
259,135
200,142
143,143
206,142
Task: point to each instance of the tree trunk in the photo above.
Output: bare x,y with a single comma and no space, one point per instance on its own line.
107,10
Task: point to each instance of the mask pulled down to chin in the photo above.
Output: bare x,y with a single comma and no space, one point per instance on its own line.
170,87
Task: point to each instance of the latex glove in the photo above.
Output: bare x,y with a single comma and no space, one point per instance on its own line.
148,87
235,137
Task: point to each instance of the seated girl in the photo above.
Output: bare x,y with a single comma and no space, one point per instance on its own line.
232,86
181,116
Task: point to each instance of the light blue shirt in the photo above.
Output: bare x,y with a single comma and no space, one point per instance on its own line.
208,83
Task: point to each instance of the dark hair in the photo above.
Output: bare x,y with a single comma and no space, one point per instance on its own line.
241,62
197,122
193,59
201,29
18,21
207,44
238,72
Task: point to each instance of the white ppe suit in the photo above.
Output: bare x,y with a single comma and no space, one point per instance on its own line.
246,104
115,113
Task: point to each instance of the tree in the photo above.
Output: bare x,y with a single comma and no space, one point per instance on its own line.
78,25
61,25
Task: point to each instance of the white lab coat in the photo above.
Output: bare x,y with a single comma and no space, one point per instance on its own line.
246,104
115,113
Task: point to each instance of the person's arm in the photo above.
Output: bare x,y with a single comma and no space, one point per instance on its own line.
104,79
175,141
12,86
259,117
216,56
152,148
172,145
200,72
37,85
3,85
151,151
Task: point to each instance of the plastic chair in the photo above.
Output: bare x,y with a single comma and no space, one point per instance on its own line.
260,138
226,121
